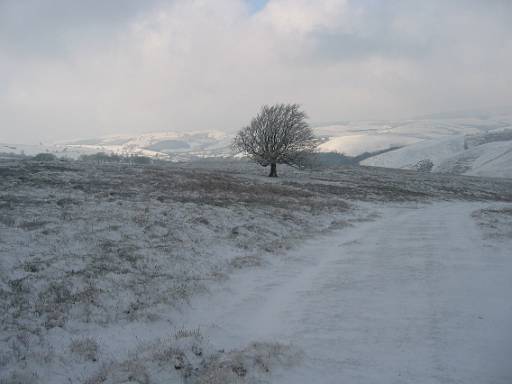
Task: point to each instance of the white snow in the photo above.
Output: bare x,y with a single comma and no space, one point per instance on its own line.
418,296
353,145
355,138
163,145
450,156
470,146
436,150
115,273
490,159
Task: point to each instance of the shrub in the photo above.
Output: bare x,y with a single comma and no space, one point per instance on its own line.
101,157
45,157
136,159
425,165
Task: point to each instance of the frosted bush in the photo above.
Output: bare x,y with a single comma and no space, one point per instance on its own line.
425,165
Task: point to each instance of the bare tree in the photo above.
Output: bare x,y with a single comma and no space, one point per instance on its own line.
279,134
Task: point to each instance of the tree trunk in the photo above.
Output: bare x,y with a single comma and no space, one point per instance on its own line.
273,170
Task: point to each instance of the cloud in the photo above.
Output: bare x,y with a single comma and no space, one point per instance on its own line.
54,27
73,69
300,17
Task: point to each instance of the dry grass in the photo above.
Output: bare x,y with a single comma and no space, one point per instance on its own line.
115,243
85,246
86,348
189,359
496,222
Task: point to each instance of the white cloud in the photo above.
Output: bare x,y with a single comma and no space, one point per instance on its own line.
305,16
204,64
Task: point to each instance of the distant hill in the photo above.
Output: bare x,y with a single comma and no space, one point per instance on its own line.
469,146
163,145
465,143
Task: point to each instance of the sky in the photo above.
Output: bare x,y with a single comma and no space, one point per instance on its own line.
73,69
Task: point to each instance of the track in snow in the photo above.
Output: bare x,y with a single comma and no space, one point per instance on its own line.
416,296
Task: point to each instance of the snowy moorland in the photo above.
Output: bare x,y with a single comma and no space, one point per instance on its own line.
159,145
471,144
196,272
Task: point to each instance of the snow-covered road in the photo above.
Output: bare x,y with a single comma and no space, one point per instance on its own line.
416,296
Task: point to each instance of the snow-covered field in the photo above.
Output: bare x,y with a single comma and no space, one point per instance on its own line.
209,272
416,296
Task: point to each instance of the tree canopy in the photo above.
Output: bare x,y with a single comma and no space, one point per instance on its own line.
279,134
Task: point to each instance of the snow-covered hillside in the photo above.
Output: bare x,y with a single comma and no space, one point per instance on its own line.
463,146
355,138
473,145
164,145
356,144
490,159
452,155
435,149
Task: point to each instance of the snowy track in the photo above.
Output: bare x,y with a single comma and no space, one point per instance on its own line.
417,296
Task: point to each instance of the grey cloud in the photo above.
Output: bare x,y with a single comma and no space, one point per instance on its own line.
48,27
433,25
72,68
345,46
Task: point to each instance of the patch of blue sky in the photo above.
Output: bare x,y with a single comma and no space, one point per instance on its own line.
256,5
